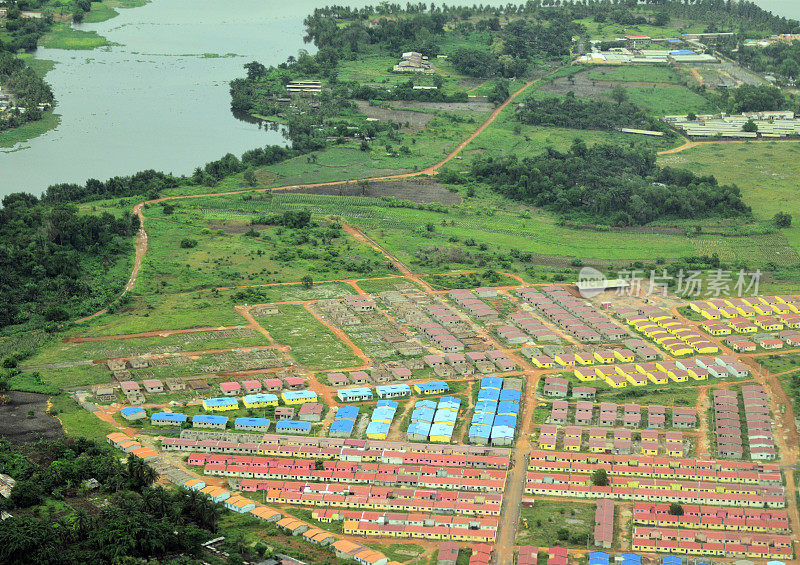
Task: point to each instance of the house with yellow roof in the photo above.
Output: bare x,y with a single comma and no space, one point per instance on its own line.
716,329
705,347
658,377
543,362
680,349
582,358
239,504
266,514
216,494
762,309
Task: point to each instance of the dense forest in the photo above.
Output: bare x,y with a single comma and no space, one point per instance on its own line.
749,98
608,185
53,260
572,112
125,518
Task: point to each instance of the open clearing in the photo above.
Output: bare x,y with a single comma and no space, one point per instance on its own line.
18,426
413,190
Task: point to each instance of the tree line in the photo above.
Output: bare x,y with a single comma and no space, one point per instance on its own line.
572,112
608,185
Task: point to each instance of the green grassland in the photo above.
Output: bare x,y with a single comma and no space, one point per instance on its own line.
765,172
780,363
238,257
313,345
636,73
78,422
78,376
608,30
669,100
545,520
61,352
11,137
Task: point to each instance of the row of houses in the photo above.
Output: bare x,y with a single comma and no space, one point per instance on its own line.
381,419
584,358
252,386
747,306
127,444
434,422
343,549
577,317
670,333
713,518
389,519
480,361
760,440
572,439
522,326
474,306
450,532
716,471
451,457
608,415
496,411
715,543
768,341
367,497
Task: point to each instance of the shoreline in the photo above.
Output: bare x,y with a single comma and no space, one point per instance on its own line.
66,37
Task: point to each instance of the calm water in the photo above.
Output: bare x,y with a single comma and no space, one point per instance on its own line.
155,100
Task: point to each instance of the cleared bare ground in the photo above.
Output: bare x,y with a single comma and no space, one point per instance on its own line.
18,427
585,87
416,190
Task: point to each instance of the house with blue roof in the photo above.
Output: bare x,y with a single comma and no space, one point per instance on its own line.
259,400
510,395
387,404
441,432
393,391
220,404
209,421
293,427
361,394
383,414
298,396
342,427
377,430
508,408
346,412
132,413
251,424
489,406
502,435
418,431
479,434
447,416
433,387
598,558
449,403
483,419
503,420
168,419
423,414
492,382
489,394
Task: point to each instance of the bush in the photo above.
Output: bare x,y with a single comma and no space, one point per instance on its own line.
188,243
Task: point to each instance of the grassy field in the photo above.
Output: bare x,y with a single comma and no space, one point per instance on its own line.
78,422
636,73
611,31
567,524
780,363
313,345
667,101
765,172
79,376
60,352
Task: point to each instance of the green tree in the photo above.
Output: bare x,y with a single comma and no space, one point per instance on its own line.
675,509
782,220
600,478
307,281
250,177
619,94
750,126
